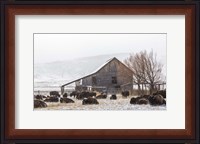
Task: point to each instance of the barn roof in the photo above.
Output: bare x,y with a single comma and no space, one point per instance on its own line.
97,70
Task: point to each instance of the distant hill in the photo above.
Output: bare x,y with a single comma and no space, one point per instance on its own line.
61,72
55,74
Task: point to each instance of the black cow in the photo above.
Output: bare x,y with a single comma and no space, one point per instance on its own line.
85,94
148,99
143,101
139,100
125,93
89,101
161,92
113,97
101,96
82,95
39,104
65,95
91,94
39,97
157,100
66,100
74,94
145,96
54,93
134,100
52,99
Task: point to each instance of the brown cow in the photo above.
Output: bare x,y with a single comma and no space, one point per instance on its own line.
66,100
89,101
39,104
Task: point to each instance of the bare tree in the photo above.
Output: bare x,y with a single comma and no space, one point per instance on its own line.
134,62
146,69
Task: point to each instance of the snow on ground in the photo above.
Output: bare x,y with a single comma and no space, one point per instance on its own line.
104,104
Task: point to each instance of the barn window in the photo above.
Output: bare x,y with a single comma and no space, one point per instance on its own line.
94,80
114,80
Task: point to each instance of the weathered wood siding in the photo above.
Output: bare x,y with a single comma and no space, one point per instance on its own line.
104,76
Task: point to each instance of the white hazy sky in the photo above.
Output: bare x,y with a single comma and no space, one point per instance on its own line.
59,47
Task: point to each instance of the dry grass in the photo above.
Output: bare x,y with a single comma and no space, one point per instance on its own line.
104,104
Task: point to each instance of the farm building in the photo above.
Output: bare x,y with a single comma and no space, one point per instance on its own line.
112,77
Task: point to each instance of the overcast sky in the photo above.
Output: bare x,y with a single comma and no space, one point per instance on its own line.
60,47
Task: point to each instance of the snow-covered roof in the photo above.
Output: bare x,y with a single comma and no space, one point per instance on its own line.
100,67
94,72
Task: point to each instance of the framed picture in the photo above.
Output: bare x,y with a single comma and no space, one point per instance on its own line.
87,72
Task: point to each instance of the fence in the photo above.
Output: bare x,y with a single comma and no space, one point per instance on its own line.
144,88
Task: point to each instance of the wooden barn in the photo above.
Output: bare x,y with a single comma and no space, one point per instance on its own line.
111,77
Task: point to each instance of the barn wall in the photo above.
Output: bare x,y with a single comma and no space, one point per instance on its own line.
87,81
104,77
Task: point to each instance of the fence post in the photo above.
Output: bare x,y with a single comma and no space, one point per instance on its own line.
62,90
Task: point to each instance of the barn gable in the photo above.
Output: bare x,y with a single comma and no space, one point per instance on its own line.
112,76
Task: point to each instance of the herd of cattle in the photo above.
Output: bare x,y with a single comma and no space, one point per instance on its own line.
88,98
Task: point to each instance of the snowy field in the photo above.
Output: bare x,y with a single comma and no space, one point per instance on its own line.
104,104
50,76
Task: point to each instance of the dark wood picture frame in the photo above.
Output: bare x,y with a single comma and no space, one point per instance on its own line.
10,134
